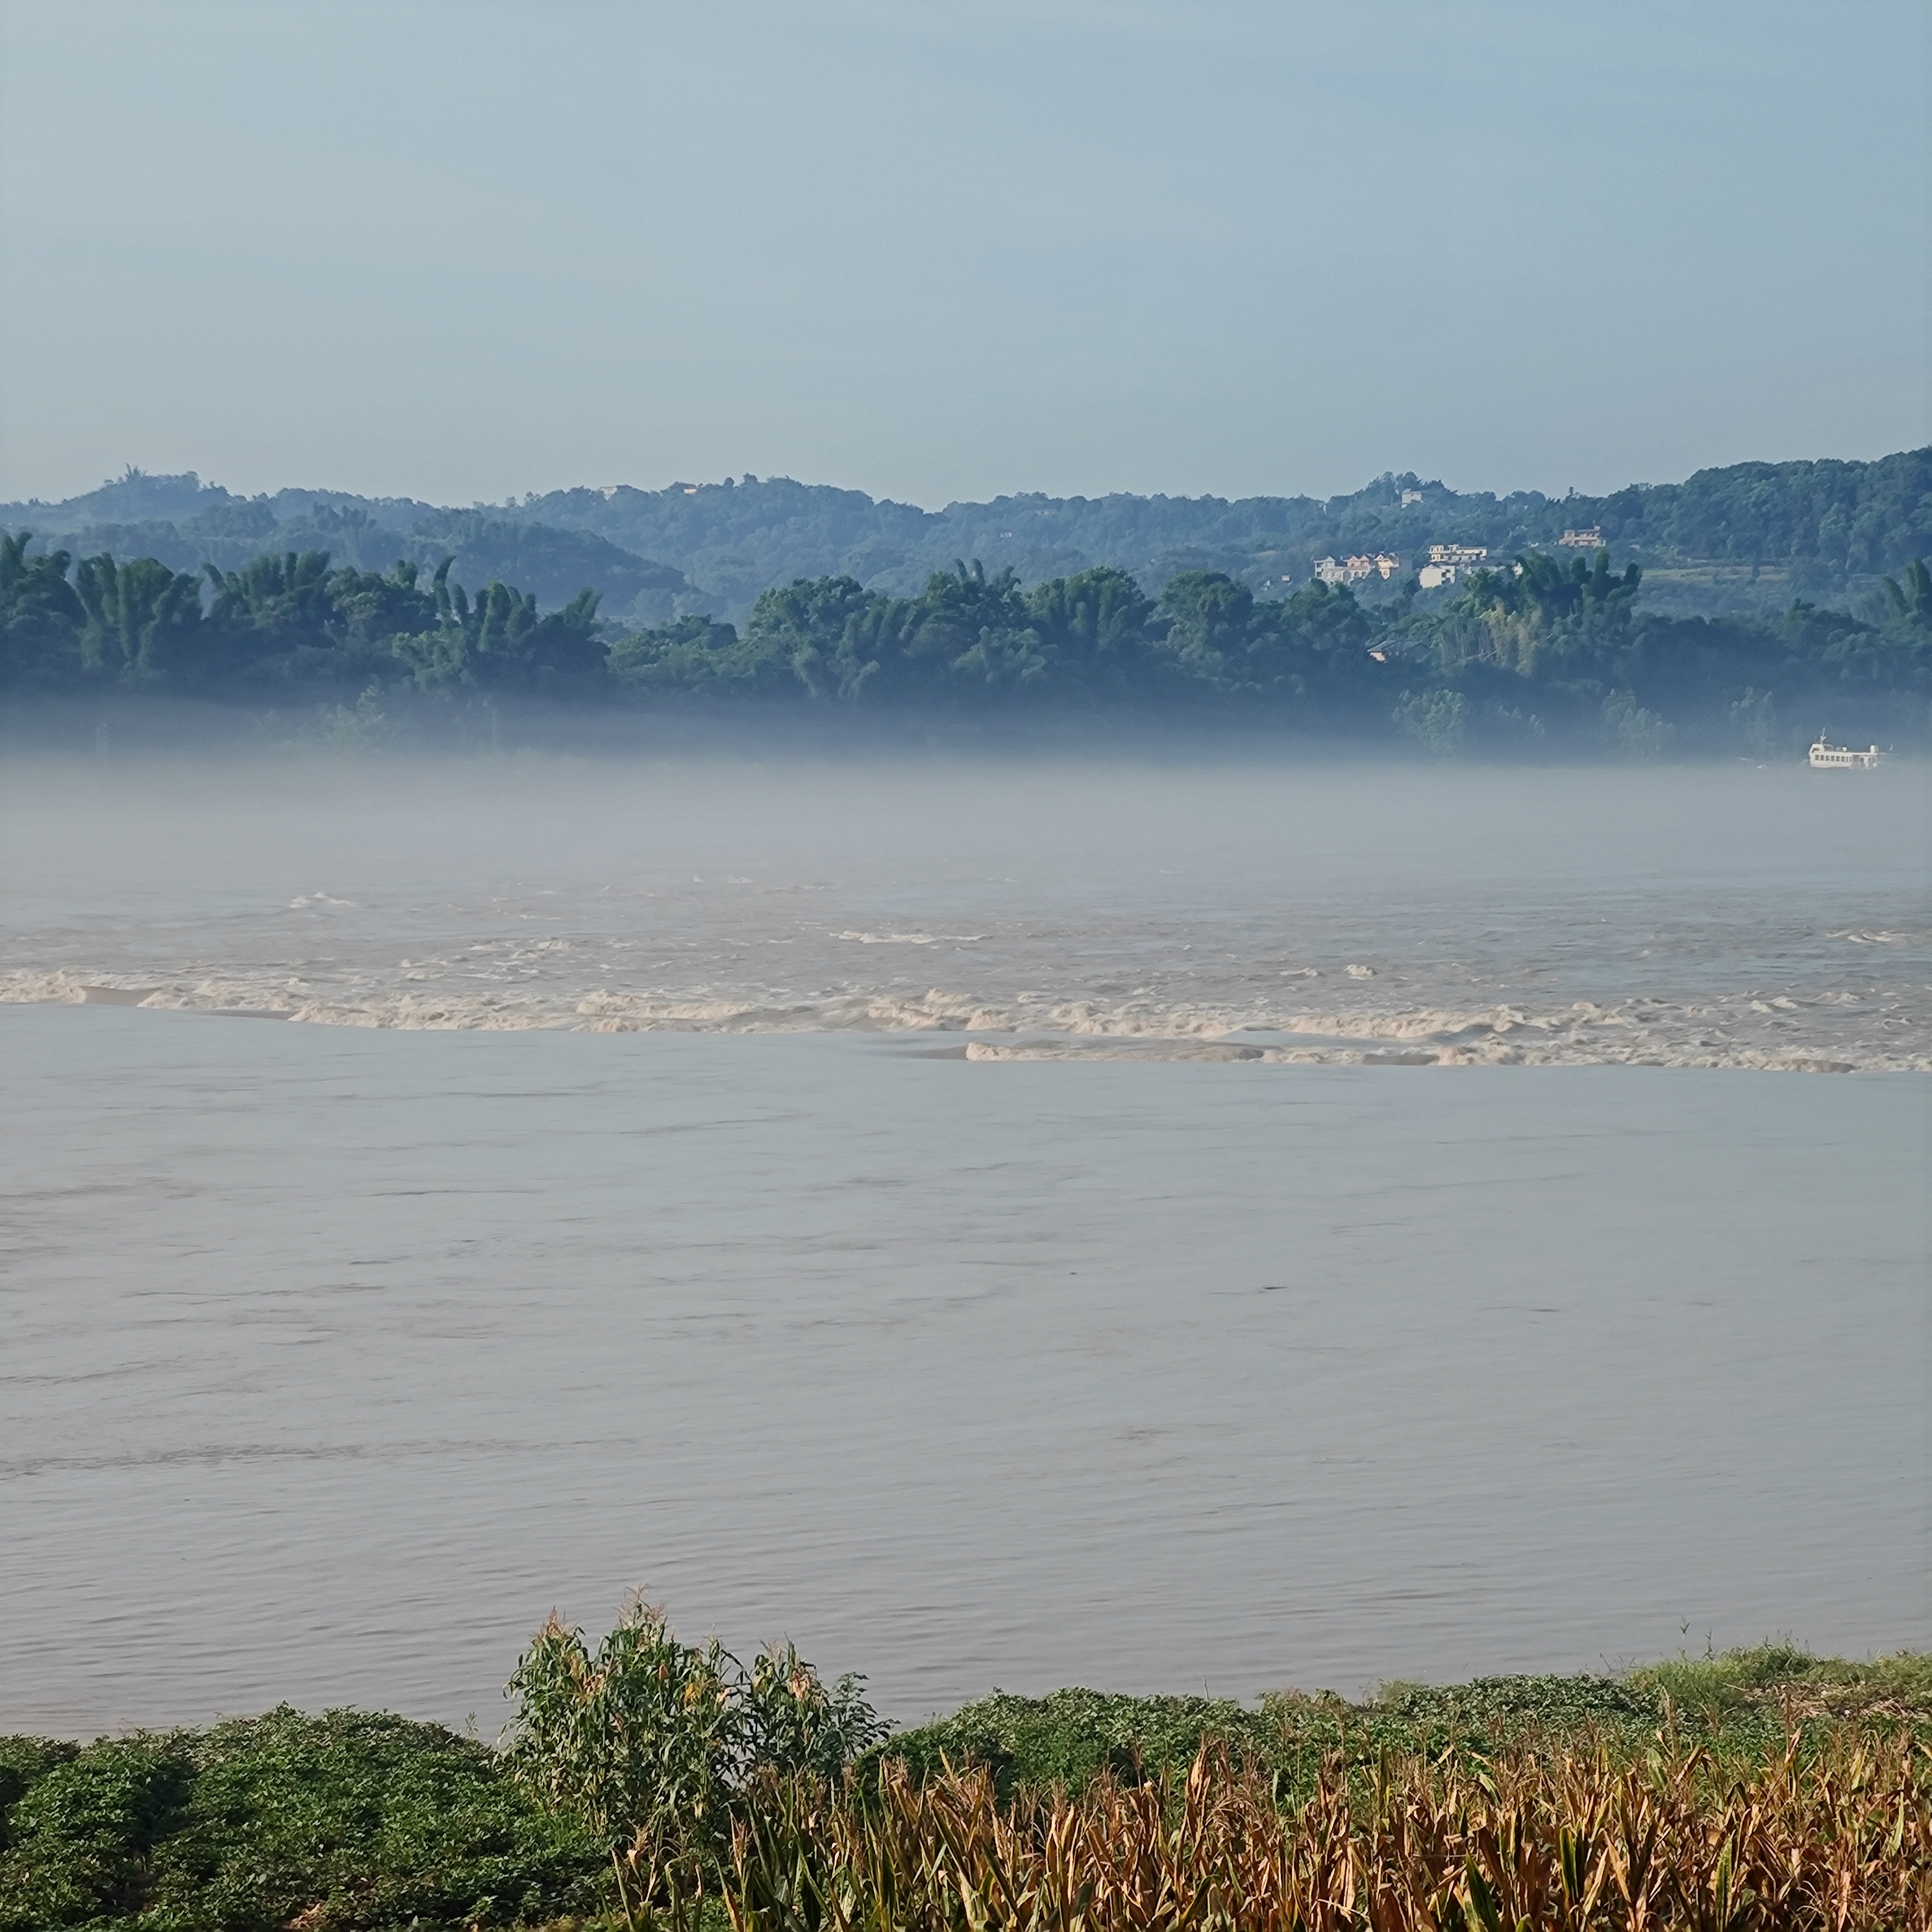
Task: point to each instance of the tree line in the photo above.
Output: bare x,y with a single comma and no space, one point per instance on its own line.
1541,648
284,623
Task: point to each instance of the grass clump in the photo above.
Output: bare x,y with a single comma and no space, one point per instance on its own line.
1782,1683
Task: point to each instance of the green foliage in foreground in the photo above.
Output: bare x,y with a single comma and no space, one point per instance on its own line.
355,1822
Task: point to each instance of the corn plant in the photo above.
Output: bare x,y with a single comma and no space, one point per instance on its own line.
655,1745
642,1739
795,1724
1837,1841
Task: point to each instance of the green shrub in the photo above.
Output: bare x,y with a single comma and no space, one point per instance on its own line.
1068,1737
1500,1705
83,1836
22,1761
354,1822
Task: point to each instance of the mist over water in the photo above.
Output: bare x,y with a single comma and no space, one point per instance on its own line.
639,1219
1714,917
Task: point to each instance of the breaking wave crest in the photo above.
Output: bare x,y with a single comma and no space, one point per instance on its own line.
1834,1031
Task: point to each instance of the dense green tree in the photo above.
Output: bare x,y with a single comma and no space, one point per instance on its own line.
1209,618
1538,614
826,633
142,619
372,607
968,638
275,598
1909,610
1099,632
696,654
501,639
1310,646
975,632
1569,638
40,617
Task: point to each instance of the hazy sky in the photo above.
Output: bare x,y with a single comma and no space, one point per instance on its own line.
940,250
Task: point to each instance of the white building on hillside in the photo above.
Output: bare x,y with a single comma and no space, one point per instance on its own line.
1356,569
1446,562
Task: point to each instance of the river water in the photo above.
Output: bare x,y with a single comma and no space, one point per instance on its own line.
962,1217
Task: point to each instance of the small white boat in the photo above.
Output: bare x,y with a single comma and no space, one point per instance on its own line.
1829,757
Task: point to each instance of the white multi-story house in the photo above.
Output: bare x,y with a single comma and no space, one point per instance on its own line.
1356,569
1447,561
1590,539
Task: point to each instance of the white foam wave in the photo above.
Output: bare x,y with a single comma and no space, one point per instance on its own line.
912,938
1830,1031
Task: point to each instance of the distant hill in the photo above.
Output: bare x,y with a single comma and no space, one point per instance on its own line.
185,523
1750,537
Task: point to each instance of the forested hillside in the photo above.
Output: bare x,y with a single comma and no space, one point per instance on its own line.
1749,538
1732,538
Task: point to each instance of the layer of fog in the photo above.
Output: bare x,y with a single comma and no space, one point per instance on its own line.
79,828
1724,915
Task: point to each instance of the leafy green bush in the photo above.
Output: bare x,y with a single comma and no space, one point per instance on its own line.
1499,1705
23,1760
1069,1737
353,1822
84,1836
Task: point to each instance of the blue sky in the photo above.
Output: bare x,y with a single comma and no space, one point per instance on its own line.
932,251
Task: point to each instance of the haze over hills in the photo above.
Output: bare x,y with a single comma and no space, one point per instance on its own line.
1735,612
1747,537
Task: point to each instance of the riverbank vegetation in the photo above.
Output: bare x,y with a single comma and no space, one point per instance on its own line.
643,1781
1542,655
